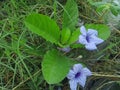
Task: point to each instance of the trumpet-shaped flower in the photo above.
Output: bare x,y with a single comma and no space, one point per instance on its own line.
77,75
89,38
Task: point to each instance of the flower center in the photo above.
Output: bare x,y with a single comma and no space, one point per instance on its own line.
87,38
77,75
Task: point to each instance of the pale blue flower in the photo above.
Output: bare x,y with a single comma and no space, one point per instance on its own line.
77,75
89,38
66,49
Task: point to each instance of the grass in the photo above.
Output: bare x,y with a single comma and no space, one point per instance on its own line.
21,51
19,47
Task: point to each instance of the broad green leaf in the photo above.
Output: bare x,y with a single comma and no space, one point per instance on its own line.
103,30
43,26
55,67
70,15
74,37
65,35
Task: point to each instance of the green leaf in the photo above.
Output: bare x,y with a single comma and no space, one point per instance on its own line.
103,30
77,45
116,7
114,10
55,67
74,37
70,15
65,35
101,8
97,4
43,26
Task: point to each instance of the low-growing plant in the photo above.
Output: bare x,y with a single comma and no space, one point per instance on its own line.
55,64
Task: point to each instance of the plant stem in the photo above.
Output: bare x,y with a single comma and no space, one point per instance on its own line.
104,75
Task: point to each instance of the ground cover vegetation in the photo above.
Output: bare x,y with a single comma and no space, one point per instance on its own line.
22,51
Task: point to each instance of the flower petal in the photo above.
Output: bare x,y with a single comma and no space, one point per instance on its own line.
71,74
82,39
96,40
77,68
82,80
92,32
66,49
83,30
90,46
86,72
73,84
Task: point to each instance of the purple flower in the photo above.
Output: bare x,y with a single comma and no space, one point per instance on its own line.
78,75
66,49
89,38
